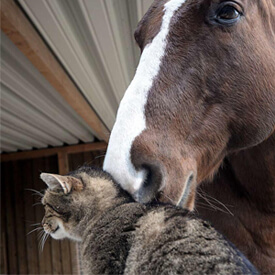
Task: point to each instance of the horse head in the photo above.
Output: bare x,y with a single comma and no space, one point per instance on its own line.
204,88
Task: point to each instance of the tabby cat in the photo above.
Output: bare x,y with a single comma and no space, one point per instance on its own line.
120,236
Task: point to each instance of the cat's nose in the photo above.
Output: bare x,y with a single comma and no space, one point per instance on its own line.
45,223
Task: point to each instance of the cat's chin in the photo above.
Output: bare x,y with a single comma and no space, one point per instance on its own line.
59,234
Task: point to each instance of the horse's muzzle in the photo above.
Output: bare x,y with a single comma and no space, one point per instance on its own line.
159,186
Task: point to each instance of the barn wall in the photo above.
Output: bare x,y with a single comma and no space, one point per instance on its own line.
19,211
94,158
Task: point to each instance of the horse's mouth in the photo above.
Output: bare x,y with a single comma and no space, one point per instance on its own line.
184,198
159,186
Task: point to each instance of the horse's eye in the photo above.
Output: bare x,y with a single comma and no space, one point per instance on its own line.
228,14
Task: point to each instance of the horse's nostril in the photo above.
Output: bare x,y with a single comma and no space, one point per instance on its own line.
148,179
151,184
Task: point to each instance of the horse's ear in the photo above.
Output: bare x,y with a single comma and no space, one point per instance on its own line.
66,182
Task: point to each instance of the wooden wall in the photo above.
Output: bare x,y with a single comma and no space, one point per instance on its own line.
19,250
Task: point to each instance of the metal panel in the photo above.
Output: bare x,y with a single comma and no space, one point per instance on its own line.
24,138
94,41
33,114
37,131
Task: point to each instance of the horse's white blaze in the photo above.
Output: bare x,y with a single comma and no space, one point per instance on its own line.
130,120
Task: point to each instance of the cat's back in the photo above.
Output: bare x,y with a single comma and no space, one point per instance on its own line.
107,240
171,241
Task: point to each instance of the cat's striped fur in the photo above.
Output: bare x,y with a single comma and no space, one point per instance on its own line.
120,236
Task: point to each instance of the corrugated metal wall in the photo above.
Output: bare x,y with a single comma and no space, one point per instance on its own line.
33,114
93,39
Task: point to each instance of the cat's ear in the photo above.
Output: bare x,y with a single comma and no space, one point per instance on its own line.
66,182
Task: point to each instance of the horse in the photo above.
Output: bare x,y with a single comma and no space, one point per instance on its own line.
196,126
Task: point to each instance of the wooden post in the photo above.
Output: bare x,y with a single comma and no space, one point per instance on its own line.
63,163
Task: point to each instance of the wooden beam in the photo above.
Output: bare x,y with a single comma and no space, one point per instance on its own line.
54,151
20,31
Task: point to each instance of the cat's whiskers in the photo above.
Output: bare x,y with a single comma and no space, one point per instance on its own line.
100,156
35,192
45,237
37,203
42,241
35,224
35,229
39,235
95,158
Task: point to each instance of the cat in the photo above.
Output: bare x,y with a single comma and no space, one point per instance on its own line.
121,236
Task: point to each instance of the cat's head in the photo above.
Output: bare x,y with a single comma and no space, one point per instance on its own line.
72,201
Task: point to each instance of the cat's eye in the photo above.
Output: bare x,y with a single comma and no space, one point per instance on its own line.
55,208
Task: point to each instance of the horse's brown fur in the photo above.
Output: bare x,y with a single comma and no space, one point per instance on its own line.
214,98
